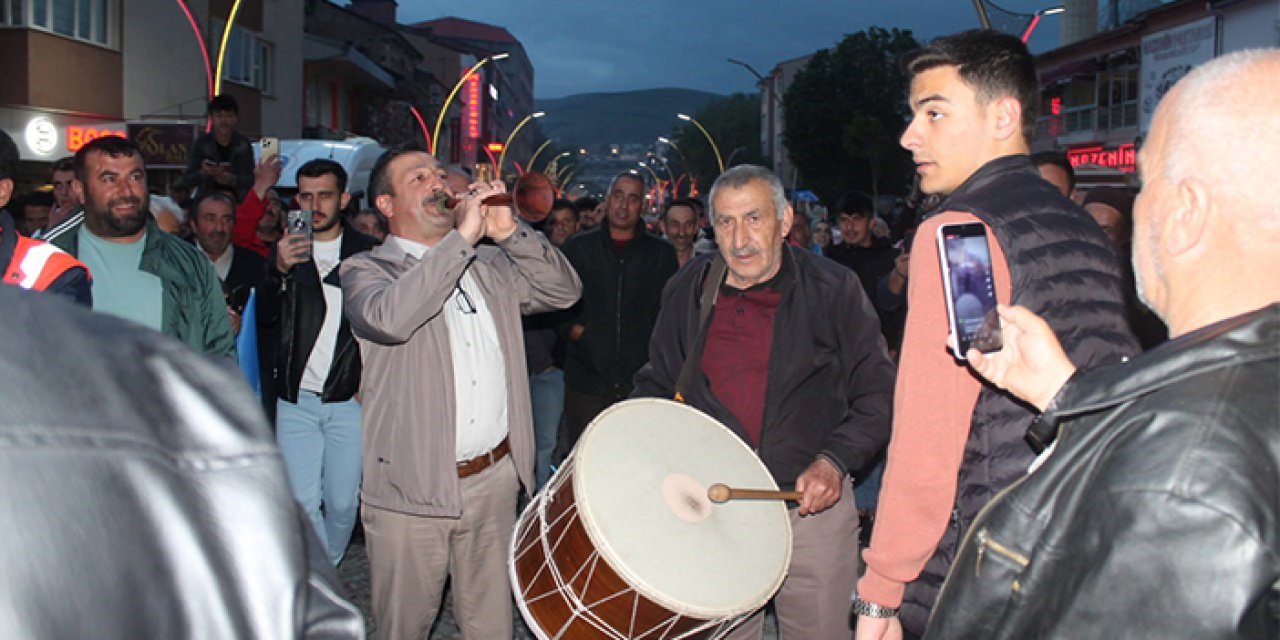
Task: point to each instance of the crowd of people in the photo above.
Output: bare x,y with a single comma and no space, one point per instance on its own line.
422,370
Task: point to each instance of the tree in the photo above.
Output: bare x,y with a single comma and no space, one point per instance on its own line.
844,112
734,123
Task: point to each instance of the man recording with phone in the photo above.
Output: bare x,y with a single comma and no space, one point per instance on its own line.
222,156
956,443
312,362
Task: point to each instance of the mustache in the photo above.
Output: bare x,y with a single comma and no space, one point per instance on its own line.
116,202
744,252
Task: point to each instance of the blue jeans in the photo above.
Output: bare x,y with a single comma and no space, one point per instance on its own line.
320,442
547,391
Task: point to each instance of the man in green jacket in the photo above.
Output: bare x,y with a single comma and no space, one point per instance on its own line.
141,273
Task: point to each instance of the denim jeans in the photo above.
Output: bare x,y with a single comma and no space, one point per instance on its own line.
547,391
320,442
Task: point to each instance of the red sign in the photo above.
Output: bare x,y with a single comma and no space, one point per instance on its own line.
78,136
472,113
1122,158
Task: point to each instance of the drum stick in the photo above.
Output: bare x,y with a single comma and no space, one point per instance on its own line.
720,493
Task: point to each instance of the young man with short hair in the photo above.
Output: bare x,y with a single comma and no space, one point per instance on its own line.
955,443
315,361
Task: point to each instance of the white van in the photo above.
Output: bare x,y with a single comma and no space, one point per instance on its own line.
357,156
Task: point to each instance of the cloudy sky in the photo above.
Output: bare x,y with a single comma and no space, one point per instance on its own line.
580,46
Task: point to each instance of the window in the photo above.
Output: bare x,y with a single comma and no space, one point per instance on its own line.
87,20
1078,105
1118,98
248,59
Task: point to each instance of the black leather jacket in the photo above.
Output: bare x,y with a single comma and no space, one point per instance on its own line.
290,313
146,498
621,293
1157,516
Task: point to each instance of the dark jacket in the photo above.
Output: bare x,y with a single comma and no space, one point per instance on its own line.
291,311
870,263
1063,268
830,380
28,266
147,499
621,294
246,272
205,147
1158,513
193,308
873,264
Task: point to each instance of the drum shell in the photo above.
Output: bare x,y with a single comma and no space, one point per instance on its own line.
543,601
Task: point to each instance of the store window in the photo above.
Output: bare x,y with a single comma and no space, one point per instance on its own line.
86,20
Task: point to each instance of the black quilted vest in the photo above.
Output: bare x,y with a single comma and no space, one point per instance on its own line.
1062,268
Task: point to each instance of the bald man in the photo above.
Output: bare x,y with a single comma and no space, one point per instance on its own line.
1154,514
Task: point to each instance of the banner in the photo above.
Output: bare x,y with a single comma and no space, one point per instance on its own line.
1168,55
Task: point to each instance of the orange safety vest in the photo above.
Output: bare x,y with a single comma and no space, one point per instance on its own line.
36,265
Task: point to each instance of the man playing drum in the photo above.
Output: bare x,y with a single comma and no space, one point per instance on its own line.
786,351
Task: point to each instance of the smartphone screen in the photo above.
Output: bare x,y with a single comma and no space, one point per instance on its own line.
970,288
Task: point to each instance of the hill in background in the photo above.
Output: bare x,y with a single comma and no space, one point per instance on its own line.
632,117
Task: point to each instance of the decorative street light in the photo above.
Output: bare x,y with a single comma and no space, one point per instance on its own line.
719,159
1035,20
507,145
553,160
533,158
435,136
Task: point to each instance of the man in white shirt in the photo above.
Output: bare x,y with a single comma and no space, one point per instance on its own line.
212,219
448,429
313,362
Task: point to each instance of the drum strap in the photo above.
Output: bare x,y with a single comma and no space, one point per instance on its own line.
707,303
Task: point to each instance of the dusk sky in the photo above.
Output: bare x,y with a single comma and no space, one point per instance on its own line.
580,46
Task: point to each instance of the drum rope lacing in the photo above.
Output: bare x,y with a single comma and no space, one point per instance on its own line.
578,608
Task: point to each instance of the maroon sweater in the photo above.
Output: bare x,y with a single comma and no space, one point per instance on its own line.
736,354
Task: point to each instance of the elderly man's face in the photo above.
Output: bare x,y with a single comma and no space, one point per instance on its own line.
749,233
1151,205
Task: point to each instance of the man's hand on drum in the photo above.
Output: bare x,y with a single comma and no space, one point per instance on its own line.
821,486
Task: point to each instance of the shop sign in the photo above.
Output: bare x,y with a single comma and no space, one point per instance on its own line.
164,145
1121,158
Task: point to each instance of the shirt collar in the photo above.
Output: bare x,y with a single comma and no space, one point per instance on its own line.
415,249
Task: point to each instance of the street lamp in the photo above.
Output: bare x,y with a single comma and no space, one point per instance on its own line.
553,160
535,155
1035,20
435,136
507,145
688,118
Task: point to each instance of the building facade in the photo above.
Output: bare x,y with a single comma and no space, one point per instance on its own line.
1099,91
78,70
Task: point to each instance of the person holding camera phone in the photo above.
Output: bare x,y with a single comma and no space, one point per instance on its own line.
956,443
311,361
222,156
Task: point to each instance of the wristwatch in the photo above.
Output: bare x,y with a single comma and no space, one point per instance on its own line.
872,610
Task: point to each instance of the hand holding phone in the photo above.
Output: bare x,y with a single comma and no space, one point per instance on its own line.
270,148
969,284
295,246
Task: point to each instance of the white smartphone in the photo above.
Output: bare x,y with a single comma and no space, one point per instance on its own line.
270,147
970,288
